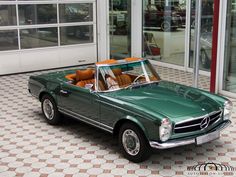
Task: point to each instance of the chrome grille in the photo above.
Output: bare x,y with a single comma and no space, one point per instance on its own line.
194,124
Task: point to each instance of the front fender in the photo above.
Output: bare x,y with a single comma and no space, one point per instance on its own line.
149,128
138,123
53,89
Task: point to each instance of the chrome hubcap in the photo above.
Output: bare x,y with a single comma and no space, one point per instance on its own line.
48,109
165,26
131,142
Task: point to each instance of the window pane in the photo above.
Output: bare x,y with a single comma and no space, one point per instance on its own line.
35,38
164,31
229,79
81,12
206,34
7,15
76,35
8,40
37,14
120,29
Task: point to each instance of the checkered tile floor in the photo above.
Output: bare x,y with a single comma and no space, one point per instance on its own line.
30,147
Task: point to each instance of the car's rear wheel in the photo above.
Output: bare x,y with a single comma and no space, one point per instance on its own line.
50,111
133,143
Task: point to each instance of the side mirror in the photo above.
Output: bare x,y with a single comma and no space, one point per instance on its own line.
89,86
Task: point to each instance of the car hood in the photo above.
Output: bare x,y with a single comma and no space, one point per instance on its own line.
171,100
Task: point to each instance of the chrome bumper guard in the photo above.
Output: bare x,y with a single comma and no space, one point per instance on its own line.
176,143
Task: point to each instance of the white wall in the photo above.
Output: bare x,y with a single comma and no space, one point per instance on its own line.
39,59
24,60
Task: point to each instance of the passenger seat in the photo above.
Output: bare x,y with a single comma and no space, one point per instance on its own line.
122,79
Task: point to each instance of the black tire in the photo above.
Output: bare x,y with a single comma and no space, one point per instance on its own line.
53,116
143,152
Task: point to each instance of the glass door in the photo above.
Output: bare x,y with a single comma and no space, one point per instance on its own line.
229,69
206,34
120,28
164,30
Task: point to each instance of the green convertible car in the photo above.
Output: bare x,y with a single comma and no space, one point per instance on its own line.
128,99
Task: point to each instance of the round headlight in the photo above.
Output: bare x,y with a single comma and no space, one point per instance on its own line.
228,106
165,129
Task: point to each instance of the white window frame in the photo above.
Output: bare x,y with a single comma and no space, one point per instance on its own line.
19,27
104,29
184,67
221,51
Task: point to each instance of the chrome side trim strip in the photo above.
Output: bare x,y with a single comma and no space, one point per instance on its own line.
176,143
86,120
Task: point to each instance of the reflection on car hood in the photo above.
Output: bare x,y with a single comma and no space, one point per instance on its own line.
168,99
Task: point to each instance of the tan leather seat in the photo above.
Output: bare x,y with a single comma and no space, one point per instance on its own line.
71,77
84,82
122,79
84,77
91,81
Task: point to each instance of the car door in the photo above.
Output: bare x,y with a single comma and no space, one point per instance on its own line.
79,102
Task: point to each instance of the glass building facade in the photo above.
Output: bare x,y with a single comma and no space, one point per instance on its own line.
45,25
74,32
229,73
43,34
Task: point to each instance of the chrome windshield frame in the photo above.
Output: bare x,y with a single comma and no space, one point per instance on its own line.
122,62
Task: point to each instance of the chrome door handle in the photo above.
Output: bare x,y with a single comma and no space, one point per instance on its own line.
64,92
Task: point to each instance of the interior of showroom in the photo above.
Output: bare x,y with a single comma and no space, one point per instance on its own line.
46,34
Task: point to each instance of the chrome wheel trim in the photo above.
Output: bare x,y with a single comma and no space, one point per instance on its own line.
131,142
48,109
165,26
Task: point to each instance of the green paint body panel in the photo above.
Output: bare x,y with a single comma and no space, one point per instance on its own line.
146,105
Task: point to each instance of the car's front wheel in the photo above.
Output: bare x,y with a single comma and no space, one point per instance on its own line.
133,143
50,111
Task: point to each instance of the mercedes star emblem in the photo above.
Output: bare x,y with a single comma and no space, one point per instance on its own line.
205,123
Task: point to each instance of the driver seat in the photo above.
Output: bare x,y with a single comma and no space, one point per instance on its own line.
122,79
84,77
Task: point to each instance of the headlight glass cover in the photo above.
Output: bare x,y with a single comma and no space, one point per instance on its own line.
165,129
228,106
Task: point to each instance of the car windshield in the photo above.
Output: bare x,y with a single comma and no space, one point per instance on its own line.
126,75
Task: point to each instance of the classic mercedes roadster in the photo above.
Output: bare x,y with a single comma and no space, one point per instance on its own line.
128,99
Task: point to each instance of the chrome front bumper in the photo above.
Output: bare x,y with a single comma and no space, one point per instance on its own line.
176,143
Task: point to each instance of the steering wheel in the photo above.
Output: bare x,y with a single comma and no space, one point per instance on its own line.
112,83
137,78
